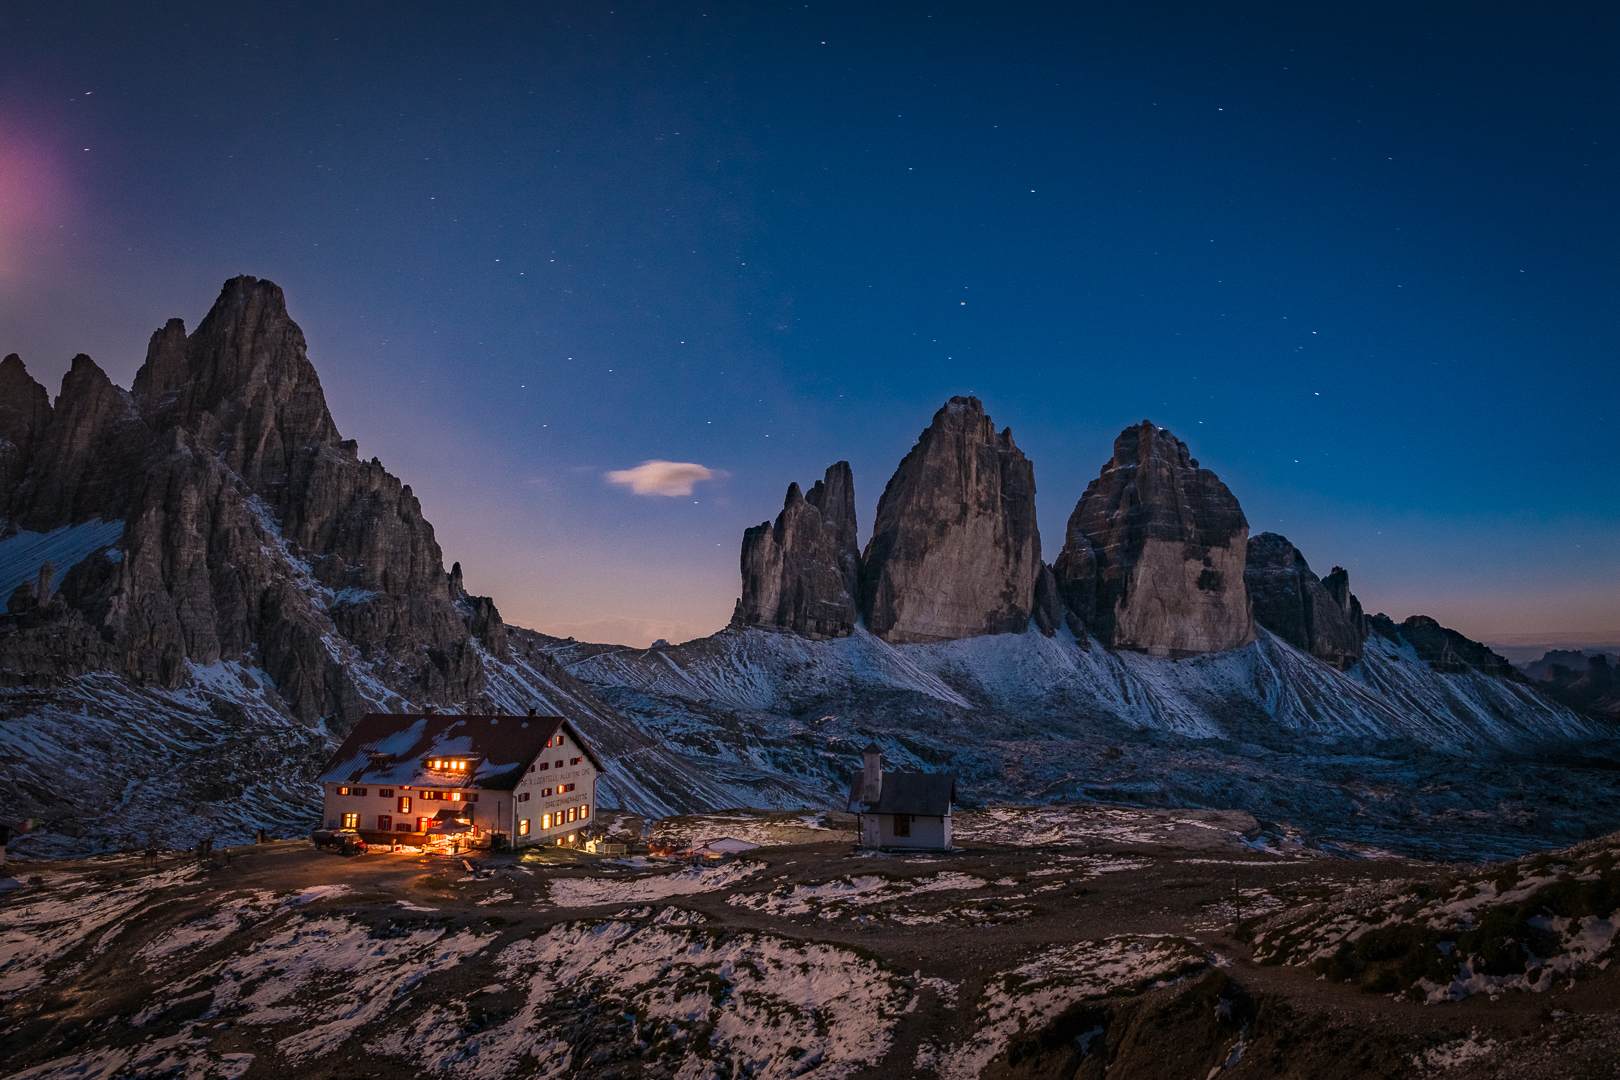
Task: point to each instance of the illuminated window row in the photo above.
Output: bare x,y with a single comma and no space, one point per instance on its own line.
557,820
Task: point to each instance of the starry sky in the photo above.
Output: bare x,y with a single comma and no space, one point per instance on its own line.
1360,256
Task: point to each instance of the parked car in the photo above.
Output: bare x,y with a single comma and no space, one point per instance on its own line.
341,841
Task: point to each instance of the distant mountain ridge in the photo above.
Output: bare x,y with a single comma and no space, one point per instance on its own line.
204,583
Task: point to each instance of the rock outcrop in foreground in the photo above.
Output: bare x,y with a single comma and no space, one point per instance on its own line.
803,574
954,550
1319,617
1154,555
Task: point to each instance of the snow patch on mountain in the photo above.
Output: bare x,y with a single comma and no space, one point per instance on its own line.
22,554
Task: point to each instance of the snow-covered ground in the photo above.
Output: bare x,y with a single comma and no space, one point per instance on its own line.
1051,826
1528,925
594,892
767,829
1390,755
22,554
1028,997
762,1006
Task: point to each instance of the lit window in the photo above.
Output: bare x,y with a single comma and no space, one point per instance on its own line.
570,813
523,826
545,821
546,792
422,824
351,821
343,791
404,804
584,810
455,796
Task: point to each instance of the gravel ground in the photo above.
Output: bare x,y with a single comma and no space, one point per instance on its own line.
1009,957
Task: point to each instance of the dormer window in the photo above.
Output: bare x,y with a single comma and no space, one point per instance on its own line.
447,764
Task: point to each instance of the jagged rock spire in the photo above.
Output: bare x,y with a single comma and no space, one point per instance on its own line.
250,527
25,413
1319,617
954,550
803,573
1155,550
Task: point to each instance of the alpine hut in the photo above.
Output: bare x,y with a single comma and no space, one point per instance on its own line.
419,778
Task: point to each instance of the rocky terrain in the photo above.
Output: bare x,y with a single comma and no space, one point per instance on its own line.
1155,552
205,583
803,574
1318,617
955,552
1055,942
1588,682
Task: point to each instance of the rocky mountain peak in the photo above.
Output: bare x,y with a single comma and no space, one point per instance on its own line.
243,382
1154,553
954,550
82,457
801,574
249,526
1320,617
1444,649
25,413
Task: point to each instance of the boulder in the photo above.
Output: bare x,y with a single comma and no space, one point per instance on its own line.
1154,554
803,573
1315,616
954,550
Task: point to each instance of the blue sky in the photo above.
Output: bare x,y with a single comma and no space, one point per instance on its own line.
1360,257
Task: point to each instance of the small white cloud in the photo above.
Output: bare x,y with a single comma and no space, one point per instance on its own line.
662,477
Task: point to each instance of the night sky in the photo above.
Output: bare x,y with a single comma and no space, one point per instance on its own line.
1361,257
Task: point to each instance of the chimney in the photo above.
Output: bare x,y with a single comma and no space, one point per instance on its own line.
871,774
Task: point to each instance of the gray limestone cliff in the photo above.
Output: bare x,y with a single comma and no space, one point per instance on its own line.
803,573
25,413
251,530
1154,555
1316,616
954,550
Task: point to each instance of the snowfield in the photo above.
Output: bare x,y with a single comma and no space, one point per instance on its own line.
594,892
1526,926
1031,995
768,1007
1391,755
